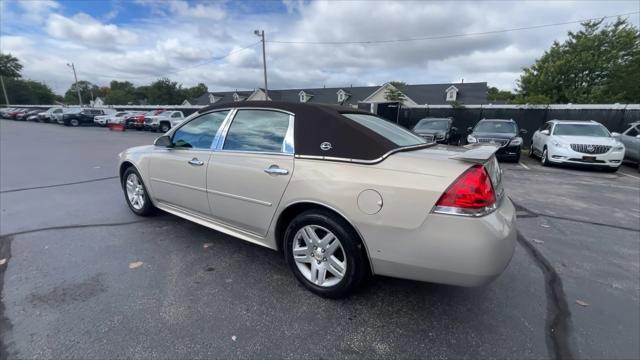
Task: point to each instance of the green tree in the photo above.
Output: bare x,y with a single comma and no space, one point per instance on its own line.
494,94
394,92
88,91
598,64
27,92
121,93
10,66
164,92
195,91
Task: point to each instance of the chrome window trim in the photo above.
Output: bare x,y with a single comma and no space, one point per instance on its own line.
288,146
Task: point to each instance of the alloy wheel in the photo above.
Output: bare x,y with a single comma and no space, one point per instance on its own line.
135,191
544,159
319,256
75,122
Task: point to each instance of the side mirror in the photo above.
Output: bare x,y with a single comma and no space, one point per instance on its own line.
544,132
163,141
638,136
469,129
615,134
523,131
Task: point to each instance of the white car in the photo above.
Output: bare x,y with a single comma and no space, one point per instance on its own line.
115,118
163,121
48,116
577,142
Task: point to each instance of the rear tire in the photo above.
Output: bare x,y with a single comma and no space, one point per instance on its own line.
164,127
74,122
330,259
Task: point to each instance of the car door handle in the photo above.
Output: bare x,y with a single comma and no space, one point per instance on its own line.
196,162
275,170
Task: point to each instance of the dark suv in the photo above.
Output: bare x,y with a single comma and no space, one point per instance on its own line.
438,130
83,117
503,133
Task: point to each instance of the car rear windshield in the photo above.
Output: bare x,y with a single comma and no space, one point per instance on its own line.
498,127
392,132
596,130
430,124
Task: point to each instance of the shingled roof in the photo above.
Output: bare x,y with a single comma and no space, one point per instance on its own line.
431,94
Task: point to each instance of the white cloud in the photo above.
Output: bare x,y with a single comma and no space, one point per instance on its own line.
37,11
84,29
200,11
175,38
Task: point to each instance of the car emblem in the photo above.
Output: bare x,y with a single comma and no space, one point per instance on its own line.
325,146
590,148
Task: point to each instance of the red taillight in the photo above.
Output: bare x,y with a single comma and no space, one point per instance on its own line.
472,190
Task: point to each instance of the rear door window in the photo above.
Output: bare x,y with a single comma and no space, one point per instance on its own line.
258,131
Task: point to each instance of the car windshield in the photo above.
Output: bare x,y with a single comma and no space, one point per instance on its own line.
596,130
498,127
431,124
391,132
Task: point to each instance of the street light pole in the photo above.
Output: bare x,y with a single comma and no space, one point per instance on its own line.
76,77
264,62
6,98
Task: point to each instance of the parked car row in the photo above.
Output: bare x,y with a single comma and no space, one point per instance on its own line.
586,143
154,120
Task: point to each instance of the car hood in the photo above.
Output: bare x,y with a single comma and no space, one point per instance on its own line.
593,140
494,135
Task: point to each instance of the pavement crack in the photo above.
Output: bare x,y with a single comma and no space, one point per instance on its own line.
59,185
558,318
65,227
527,213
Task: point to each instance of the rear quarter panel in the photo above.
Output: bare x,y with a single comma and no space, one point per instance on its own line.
409,190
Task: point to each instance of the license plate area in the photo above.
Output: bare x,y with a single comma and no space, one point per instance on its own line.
589,158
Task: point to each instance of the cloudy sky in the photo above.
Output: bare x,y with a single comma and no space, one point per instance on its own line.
187,41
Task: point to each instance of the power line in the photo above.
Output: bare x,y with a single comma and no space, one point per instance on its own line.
449,36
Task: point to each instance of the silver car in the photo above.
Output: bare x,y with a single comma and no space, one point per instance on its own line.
631,140
341,193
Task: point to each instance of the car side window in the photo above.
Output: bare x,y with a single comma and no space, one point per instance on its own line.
258,130
633,131
199,132
175,115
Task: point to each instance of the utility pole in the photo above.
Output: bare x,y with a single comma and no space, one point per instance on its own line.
6,98
76,77
264,62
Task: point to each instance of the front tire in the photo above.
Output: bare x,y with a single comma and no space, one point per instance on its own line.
544,159
74,122
135,193
164,127
325,254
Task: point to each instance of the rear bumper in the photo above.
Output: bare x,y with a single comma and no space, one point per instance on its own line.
567,156
508,153
452,250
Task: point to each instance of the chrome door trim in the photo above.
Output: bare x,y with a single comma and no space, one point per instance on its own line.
238,197
179,184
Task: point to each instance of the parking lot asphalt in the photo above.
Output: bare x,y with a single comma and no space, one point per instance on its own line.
571,290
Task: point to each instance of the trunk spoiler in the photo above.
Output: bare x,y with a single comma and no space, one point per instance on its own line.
476,153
